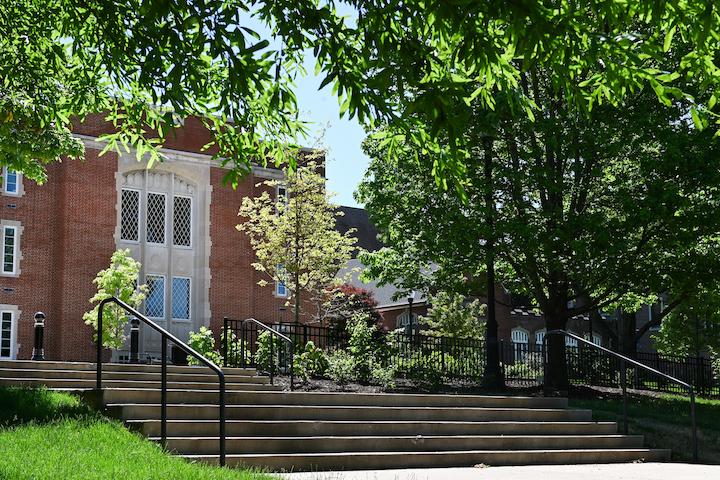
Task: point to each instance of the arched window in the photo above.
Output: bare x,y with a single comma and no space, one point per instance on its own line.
520,339
571,342
597,339
403,320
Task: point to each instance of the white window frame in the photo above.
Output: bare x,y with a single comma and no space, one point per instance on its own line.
402,320
519,352
16,249
139,215
172,295
192,206
165,218
280,284
164,292
18,186
539,337
13,333
571,342
598,337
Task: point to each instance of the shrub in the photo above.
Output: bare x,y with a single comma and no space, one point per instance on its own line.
235,350
311,362
363,345
341,367
203,342
452,315
263,360
119,280
384,376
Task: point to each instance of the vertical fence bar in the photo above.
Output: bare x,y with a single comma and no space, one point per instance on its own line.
694,425
163,391
221,406
623,380
98,381
225,341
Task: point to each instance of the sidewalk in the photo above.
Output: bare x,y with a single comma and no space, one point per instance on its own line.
618,471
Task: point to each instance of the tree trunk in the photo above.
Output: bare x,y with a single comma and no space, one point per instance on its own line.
556,319
493,372
627,340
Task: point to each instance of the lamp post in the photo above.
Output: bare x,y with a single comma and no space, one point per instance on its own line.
410,299
38,350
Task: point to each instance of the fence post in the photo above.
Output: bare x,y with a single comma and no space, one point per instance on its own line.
225,342
623,380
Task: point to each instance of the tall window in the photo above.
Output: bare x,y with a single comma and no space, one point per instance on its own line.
597,339
130,215
11,181
156,218
155,300
182,221
404,320
181,298
6,334
571,342
280,287
9,264
281,196
539,337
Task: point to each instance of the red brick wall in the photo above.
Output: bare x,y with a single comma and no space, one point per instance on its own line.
67,237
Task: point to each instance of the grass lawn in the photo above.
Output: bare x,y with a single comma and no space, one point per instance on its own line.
664,420
52,435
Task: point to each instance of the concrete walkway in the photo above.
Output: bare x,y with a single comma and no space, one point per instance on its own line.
620,471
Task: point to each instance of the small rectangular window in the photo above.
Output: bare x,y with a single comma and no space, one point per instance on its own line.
182,221
130,215
10,181
181,298
9,249
156,218
6,327
281,197
155,299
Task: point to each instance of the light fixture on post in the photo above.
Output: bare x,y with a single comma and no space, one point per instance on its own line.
38,350
410,299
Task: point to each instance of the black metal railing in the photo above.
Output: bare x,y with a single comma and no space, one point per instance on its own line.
439,358
165,336
242,351
624,362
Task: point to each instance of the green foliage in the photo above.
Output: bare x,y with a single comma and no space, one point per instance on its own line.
120,280
382,375
55,436
269,352
203,342
311,362
341,367
295,240
344,302
451,315
693,327
363,345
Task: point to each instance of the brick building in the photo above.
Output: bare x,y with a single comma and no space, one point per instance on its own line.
177,218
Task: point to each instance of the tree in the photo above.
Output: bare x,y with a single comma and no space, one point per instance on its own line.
693,328
119,280
148,63
452,315
589,207
345,302
294,237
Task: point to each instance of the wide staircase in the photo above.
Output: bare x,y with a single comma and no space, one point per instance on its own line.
296,431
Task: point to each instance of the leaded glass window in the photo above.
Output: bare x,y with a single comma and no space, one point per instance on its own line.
155,299
6,334
181,298
156,218
182,221
9,249
130,215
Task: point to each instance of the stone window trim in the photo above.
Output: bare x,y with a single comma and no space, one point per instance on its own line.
15,312
19,191
148,219
17,254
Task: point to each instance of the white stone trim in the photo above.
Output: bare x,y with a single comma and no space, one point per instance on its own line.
18,256
187,157
14,346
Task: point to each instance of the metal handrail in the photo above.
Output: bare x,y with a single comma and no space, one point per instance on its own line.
268,328
623,379
165,335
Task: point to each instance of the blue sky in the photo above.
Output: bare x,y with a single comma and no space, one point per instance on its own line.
346,163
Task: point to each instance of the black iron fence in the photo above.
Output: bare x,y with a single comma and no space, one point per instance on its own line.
446,359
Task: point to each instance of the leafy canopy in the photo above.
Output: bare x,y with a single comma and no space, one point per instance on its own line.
148,63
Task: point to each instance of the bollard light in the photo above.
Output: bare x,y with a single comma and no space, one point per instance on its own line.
38,350
134,340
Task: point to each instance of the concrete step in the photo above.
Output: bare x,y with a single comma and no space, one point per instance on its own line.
417,443
139,367
308,428
315,412
410,459
57,383
336,399
128,375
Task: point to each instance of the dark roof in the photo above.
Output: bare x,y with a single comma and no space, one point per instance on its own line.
383,294
366,232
